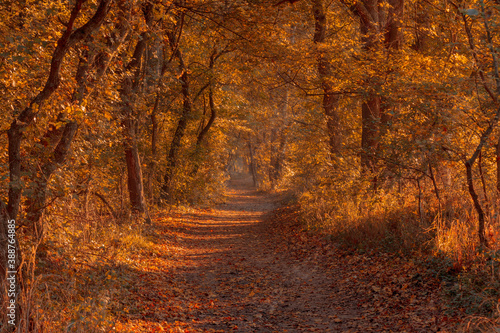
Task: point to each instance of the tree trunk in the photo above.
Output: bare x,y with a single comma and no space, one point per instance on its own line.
69,39
370,115
483,183
213,111
129,90
253,166
477,204
274,159
498,166
213,115
172,156
36,204
134,170
64,136
492,123
370,109
374,20
393,35
154,145
10,260
204,130
330,98
58,139
393,41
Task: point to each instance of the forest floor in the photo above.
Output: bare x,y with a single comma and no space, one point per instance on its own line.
246,266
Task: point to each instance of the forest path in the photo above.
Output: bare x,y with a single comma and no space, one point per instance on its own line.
239,269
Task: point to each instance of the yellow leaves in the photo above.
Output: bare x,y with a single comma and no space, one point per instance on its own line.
158,12
75,111
459,58
107,115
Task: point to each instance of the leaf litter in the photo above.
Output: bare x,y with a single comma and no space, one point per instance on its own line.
247,266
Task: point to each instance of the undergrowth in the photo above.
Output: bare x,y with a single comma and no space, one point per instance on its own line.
438,232
75,281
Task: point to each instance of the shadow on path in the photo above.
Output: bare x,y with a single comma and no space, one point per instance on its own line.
229,270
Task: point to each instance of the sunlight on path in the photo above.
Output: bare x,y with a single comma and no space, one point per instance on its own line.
229,270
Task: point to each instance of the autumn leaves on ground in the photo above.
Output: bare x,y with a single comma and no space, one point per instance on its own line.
244,267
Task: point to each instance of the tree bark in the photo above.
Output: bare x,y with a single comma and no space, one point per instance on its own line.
106,203
393,36
158,69
213,111
154,149
274,159
330,98
470,183
213,115
370,109
133,162
69,39
65,135
253,165
498,166
37,203
204,130
477,205
483,183
370,115
469,163
380,27
128,94
10,268
175,145
393,41
58,139
434,183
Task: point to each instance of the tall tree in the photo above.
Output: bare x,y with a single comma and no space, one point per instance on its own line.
69,39
186,114
331,96
380,27
91,68
129,93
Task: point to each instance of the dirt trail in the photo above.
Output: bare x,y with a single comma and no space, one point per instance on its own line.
232,269
232,261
